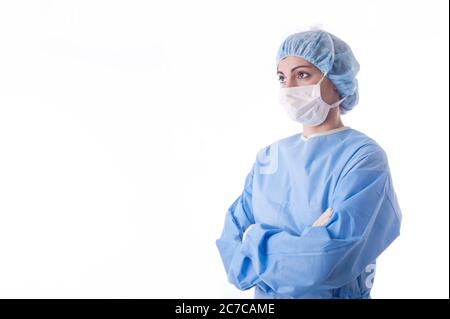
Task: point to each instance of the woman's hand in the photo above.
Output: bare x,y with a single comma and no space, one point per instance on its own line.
324,218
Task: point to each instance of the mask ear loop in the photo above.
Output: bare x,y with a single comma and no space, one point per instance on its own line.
323,77
333,55
335,104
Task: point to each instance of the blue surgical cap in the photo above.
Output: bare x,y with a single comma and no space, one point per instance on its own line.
330,55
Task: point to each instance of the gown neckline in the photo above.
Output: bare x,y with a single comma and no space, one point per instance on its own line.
329,132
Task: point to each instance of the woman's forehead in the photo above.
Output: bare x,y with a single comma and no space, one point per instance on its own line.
288,62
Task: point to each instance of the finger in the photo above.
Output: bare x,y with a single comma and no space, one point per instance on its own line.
324,218
322,221
328,212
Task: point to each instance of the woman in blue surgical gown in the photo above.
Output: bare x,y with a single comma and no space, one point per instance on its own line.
317,207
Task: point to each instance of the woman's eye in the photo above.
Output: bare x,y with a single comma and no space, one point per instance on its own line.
303,75
281,79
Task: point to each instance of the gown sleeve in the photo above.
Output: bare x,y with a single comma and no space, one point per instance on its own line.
366,219
238,218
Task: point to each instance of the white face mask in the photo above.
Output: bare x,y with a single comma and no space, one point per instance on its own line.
304,103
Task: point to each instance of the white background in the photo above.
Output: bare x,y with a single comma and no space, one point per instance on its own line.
127,129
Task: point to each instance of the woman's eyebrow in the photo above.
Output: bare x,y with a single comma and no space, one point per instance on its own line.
296,67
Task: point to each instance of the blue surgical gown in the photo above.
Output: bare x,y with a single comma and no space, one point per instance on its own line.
292,182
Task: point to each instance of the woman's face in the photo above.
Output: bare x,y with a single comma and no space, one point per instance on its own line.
295,71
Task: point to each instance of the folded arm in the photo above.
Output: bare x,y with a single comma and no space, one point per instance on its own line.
365,220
